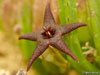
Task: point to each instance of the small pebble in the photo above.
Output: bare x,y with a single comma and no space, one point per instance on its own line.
21,72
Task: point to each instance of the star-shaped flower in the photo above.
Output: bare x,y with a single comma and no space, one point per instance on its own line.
50,34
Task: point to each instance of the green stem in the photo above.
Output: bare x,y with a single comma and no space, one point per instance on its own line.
59,55
74,43
94,24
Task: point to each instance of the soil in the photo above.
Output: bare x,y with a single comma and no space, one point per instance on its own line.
11,59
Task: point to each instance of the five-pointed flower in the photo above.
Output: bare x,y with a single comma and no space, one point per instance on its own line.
50,34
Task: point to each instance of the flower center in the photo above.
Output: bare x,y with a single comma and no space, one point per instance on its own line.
48,33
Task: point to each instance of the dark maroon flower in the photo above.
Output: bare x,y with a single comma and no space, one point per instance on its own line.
50,34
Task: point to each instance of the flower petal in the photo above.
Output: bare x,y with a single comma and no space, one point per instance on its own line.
60,45
70,27
41,47
30,36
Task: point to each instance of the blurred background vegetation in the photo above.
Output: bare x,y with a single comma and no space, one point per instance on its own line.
22,16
